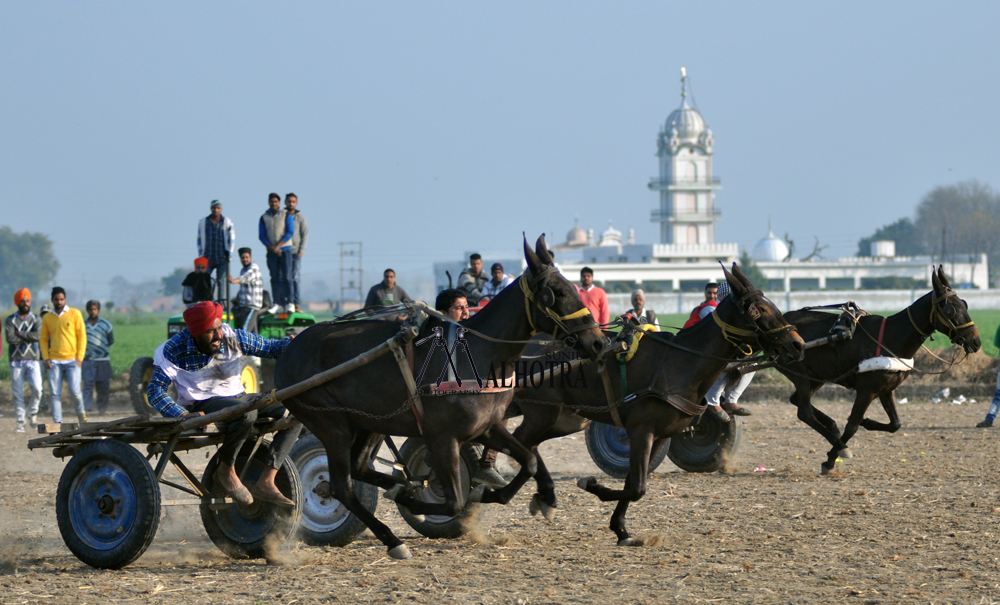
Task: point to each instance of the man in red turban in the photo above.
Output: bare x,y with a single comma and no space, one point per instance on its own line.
205,363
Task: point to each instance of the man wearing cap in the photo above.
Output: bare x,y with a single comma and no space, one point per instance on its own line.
197,285
216,239
22,330
723,401
63,345
499,281
97,361
204,363
276,231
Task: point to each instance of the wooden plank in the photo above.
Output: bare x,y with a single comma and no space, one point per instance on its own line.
86,427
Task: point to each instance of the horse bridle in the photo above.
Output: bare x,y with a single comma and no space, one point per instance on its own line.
543,298
944,315
749,311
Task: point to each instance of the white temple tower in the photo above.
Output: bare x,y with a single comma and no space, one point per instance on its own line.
686,184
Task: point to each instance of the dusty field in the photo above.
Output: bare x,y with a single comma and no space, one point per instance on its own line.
912,517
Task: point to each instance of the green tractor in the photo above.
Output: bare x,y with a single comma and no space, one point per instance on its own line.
256,375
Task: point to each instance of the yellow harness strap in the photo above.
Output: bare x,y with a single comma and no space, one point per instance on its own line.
635,341
530,298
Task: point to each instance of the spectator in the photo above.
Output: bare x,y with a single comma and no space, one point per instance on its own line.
704,309
386,292
593,297
97,361
639,314
452,303
719,397
472,279
63,345
216,239
276,230
991,413
299,237
250,299
494,286
22,330
198,283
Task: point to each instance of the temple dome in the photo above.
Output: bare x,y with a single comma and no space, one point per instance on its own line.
770,249
611,237
576,236
687,121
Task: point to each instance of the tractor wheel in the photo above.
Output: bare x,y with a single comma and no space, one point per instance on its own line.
609,448
252,532
108,504
325,521
417,461
704,446
250,374
138,380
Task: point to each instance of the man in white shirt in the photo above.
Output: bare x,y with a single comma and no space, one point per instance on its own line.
494,286
639,314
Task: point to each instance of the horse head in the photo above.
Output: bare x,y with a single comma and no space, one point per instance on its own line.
553,304
950,314
762,319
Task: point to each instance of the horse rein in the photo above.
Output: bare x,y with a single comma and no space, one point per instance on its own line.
936,314
731,333
543,299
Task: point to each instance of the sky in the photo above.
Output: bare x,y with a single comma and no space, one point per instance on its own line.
424,130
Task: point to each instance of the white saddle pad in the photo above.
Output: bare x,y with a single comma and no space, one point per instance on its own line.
885,364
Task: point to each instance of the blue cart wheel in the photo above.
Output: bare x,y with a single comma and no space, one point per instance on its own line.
108,504
609,448
249,532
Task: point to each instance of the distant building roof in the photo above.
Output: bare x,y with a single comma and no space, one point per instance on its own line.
770,249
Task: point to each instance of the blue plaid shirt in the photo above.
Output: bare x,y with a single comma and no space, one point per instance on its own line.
215,240
181,351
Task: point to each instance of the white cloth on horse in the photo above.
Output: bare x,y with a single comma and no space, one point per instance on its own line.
885,364
219,378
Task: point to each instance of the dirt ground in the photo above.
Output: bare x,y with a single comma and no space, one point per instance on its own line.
913,517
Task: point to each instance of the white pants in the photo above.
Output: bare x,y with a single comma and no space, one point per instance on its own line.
32,374
732,395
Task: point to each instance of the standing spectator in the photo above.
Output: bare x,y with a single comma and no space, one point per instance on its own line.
250,299
719,397
97,361
299,237
63,344
22,330
594,298
276,230
991,413
704,309
639,314
472,279
386,292
216,239
494,286
197,285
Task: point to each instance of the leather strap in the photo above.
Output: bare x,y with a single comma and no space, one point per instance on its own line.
881,331
609,393
406,369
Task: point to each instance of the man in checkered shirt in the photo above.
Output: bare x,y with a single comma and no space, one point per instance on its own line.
250,299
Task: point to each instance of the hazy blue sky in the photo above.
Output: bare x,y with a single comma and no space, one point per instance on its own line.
426,129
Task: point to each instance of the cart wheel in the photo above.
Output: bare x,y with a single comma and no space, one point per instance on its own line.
702,448
325,521
413,452
250,374
609,448
252,532
138,380
108,504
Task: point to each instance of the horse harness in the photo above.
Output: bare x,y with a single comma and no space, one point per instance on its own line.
944,316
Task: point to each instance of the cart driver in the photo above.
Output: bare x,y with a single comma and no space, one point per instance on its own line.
204,364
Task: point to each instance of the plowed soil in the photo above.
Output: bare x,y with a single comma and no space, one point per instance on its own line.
913,517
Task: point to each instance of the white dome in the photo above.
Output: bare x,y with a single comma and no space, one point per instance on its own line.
688,122
576,236
770,249
611,237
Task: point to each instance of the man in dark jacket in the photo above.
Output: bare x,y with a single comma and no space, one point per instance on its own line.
472,279
639,314
386,292
22,330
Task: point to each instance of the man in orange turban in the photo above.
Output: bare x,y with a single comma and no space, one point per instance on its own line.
198,284
204,362
22,330
21,295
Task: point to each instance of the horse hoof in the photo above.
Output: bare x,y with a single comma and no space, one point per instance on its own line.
393,492
400,552
586,482
477,494
630,542
538,506
823,470
845,453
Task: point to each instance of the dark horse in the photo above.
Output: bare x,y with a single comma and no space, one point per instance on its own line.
664,371
899,335
352,414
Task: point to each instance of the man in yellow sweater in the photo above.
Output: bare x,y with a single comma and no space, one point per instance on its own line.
63,343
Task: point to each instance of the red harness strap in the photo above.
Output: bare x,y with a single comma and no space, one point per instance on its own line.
881,331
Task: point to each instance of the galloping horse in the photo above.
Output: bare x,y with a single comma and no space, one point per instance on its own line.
666,379
899,335
352,414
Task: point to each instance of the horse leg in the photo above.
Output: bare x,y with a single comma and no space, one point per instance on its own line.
361,454
342,486
640,444
444,452
817,420
533,430
861,402
889,405
497,438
